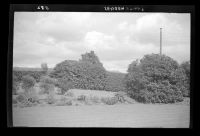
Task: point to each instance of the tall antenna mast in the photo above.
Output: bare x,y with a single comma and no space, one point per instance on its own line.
160,41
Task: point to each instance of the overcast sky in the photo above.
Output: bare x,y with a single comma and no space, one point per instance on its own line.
116,38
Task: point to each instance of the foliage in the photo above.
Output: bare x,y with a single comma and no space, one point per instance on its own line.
114,82
120,96
179,78
51,98
15,85
27,98
27,82
83,74
186,67
109,101
64,85
155,79
21,97
47,84
91,58
81,98
35,74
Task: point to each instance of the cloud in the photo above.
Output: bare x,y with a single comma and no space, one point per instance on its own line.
99,41
64,27
147,30
116,38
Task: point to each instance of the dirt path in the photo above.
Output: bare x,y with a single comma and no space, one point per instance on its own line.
131,115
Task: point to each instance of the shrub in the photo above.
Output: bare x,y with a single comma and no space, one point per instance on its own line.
28,82
35,74
21,97
64,85
15,87
28,98
51,98
81,98
23,100
32,95
83,74
179,78
150,81
186,67
47,84
109,101
120,96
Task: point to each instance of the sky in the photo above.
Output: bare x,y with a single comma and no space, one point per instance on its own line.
116,38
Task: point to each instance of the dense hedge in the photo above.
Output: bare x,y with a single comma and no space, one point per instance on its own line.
82,74
156,78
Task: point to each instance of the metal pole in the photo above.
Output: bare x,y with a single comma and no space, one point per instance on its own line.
160,41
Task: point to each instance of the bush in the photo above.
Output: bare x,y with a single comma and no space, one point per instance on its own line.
15,87
64,85
81,98
28,82
186,67
32,95
82,74
120,96
21,97
47,84
27,99
51,98
35,74
179,78
154,80
109,101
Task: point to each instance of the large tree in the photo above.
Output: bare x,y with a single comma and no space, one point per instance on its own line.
87,73
150,79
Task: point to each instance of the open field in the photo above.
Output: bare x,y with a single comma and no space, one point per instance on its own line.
120,115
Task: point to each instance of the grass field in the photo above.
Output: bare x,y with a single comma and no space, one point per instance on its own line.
120,115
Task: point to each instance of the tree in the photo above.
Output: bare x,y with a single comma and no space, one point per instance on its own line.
64,85
91,58
85,74
44,67
150,79
186,66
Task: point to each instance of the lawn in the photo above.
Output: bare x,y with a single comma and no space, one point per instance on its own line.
119,115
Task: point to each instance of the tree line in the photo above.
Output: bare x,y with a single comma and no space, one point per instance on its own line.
153,79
